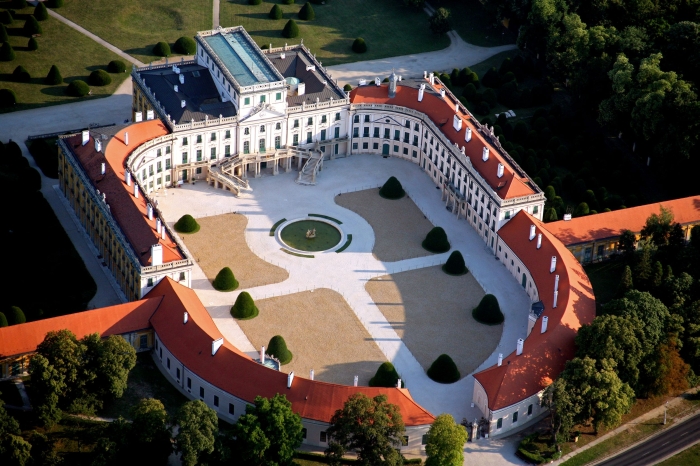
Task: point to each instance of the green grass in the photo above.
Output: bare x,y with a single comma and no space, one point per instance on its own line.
346,245
294,236
135,26
605,278
9,393
477,26
388,27
684,458
75,55
327,218
274,227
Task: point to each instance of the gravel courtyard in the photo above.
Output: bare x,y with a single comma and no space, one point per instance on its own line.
321,331
431,312
399,226
221,243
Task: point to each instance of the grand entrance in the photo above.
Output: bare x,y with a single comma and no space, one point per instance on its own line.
385,149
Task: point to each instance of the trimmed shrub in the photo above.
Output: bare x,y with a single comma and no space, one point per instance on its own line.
99,78
582,210
255,2
275,12
386,376
359,46
21,75
5,18
444,370
116,66
186,46
3,34
469,92
7,53
18,4
3,320
291,30
162,49
15,316
187,224
40,12
488,311
78,88
32,44
277,348
54,77
7,98
55,3
436,241
483,108
490,96
244,308
491,78
392,189
347,88
31,27
225,281
307,12
455,264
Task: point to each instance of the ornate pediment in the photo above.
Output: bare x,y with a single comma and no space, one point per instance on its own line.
261,112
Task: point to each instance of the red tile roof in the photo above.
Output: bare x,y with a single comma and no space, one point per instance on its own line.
113,320
612,224
128,211
442,112
544,354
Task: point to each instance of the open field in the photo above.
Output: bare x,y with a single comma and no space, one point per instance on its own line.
431,313
221,243
321,331
136,26
388,27
399,226
75,55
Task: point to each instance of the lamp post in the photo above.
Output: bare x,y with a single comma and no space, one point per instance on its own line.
665,409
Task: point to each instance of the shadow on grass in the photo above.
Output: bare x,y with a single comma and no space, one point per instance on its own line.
264,15
16,32
146,51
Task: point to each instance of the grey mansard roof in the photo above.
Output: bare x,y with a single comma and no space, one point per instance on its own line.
294,65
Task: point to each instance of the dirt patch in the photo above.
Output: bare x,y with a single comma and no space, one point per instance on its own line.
321,331
431,312
399,226
221,243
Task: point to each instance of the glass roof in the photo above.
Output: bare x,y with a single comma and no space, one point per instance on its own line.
241,58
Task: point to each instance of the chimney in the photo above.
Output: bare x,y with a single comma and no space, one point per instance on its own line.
103,168
183,103
127,177
262,355
500,359
500,170
354,381
283,55
311,374
126,139
86,137
157,254
398,383
425,74
468,135
545,319
290,379
556,297
553,266
98,145
185,318
421,91
485,154
556,282
532,232
431,77
215,345
149,211
442,92
138,117
457,123
567,217
162,232
519,347
176,88
539,240
104,198
182,79
136,191
158,225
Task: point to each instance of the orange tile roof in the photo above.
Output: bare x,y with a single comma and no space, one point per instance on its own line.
113,320
129,212
612,224
544,354
237,374
441,112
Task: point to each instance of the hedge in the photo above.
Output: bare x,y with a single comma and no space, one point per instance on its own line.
488,311
436,241
291,30
444,370
386,376
3,34
392,189
307,12
3,320
455,264
278,349
116,66
40,12
7,53
275,12
186,46
162,49
54,77
187,224
31,26
7,98
32,44
100,78
225,281
21,75
78,88
244,308
15,316
359,45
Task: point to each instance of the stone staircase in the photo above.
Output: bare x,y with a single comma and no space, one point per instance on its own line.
224,174
308,173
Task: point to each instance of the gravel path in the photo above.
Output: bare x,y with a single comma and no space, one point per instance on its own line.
431,312
399,226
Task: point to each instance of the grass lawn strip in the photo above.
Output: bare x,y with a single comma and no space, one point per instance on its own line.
75,55
346,245
274,227
327,218
309,322
388,27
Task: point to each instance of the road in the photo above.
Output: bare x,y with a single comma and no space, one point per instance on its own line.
660,447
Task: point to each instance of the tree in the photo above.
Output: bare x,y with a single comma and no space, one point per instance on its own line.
40,12
658,227
436,241
116,66
275,12
626,243
54,77
5,18
643,269
657,275
185,45
386,376
563,409
48,384
187,224
77,88
440,21
291,30
150,430
3,320
268,433
488,311
108,363
455,264
225,281
445,442
65,354
626,283
370,427
15,316
672,376
359,45
197,425
31,27
392,189
3,33
347,88
7,53
278,349
43,451
444,370
7,98
14,451
244,308
307,12
32,44
99,78
550,215
162,49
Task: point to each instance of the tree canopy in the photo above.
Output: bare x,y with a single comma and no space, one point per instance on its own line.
445,442
197,426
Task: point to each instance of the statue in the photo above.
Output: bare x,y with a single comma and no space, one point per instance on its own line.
311,234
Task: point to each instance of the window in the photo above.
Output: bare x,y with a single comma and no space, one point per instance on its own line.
356,119
365,132
227,151
160,353
386,133
149,282
231,409
159,166
167,363
199,155
424,439
499,423
515,417
213,136
262,128
323,135
213,153
178,374
323,437
184,141
336,133
143,341
216,401
365,145
201,392
337,116
278,125
397,135
535,209
167,164
415,154
278,96
405,151
354,146
324,118
167,149
296,123
416,127
309,137
366,118
150,170
261,145
376,132
198,170
295,140
375,146
415,141
246,101
309,121
227,135
529,410
182,276
246,131
246,147
356,132
408,124
189,383
278,142
199,139
262,99
159,153
303,432
507,214
396,148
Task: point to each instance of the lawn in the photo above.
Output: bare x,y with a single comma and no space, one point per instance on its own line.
75,55
388,27
294,235
135,26
684,458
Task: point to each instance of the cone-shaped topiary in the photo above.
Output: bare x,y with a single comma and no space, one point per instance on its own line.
55,3
275,12
436,241
359,45
244,308
54,77
21,75
187,224
186,46
100,78
32,44
31,27
225,281
7,98
7,53
455,264
15,316
307,12
161,49
386,376
291,30
116,66
488,311
392,189
347,88
3,320
40,12
5,18
78,88
444,370
3,33
278,349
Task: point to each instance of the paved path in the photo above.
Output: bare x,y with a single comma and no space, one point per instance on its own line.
215,14
458,55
